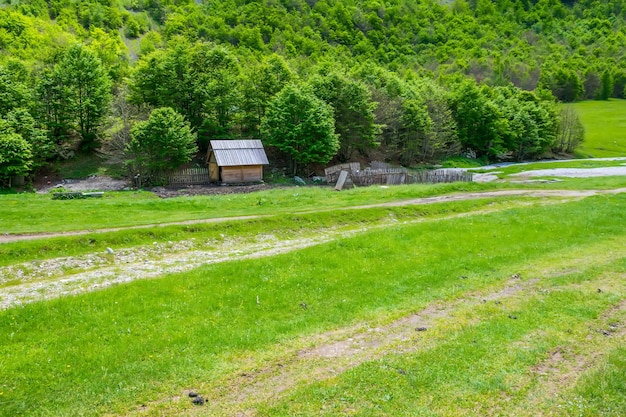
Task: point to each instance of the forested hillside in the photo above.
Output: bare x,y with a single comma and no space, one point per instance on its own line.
416,80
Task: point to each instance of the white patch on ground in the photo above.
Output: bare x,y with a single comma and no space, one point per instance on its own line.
574,172
486,177
95,183
41,280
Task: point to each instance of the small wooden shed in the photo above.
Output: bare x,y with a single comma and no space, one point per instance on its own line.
234,161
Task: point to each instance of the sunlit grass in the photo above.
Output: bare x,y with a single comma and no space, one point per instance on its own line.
113,350
25,213
32,213
283,226
605,126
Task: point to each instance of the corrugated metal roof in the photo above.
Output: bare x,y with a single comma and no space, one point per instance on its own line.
239,152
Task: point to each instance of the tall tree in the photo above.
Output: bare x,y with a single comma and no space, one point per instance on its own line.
413,135
478,119
198,81
216,74
302,126
354,112
163,142
13,93
260,84
606,85
15,155
571,132
88,88
75,95
530,127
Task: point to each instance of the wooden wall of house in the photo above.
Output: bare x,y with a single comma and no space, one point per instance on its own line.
214,169
243,173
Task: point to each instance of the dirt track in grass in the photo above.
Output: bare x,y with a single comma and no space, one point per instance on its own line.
53,278
7,238
329,354
318,357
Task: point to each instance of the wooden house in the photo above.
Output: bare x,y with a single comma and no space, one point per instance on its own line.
235,161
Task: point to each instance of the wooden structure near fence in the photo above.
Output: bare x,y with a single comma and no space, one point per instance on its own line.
397,176
189,176
332,173
236,161
383,174
439,175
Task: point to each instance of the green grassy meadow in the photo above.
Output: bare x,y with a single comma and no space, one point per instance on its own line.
31,213
39,213
511,285
605,128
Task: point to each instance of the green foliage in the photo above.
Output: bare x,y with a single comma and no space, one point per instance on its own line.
199,81
413,132
162,143
15,156
565,84
606,85
479,120
302,126
13,92
21,122
353,112
530,125
261,83
571,132
221,63
74,97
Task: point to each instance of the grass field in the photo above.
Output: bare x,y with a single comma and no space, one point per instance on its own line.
605,127
496,306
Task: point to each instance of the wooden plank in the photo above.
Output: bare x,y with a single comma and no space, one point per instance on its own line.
341,180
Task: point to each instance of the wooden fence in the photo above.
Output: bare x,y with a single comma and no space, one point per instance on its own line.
396,176
332,173
439,175
189,176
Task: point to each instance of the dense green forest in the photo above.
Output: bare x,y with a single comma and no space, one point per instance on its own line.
413,81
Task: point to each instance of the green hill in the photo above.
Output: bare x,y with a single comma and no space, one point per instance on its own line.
405,81
605,125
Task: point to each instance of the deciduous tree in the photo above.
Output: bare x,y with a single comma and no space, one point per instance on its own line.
162,143
15,156
302,126
74,96
353,111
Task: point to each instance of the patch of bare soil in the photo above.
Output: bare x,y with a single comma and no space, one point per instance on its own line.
169,192
563,366
95,183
